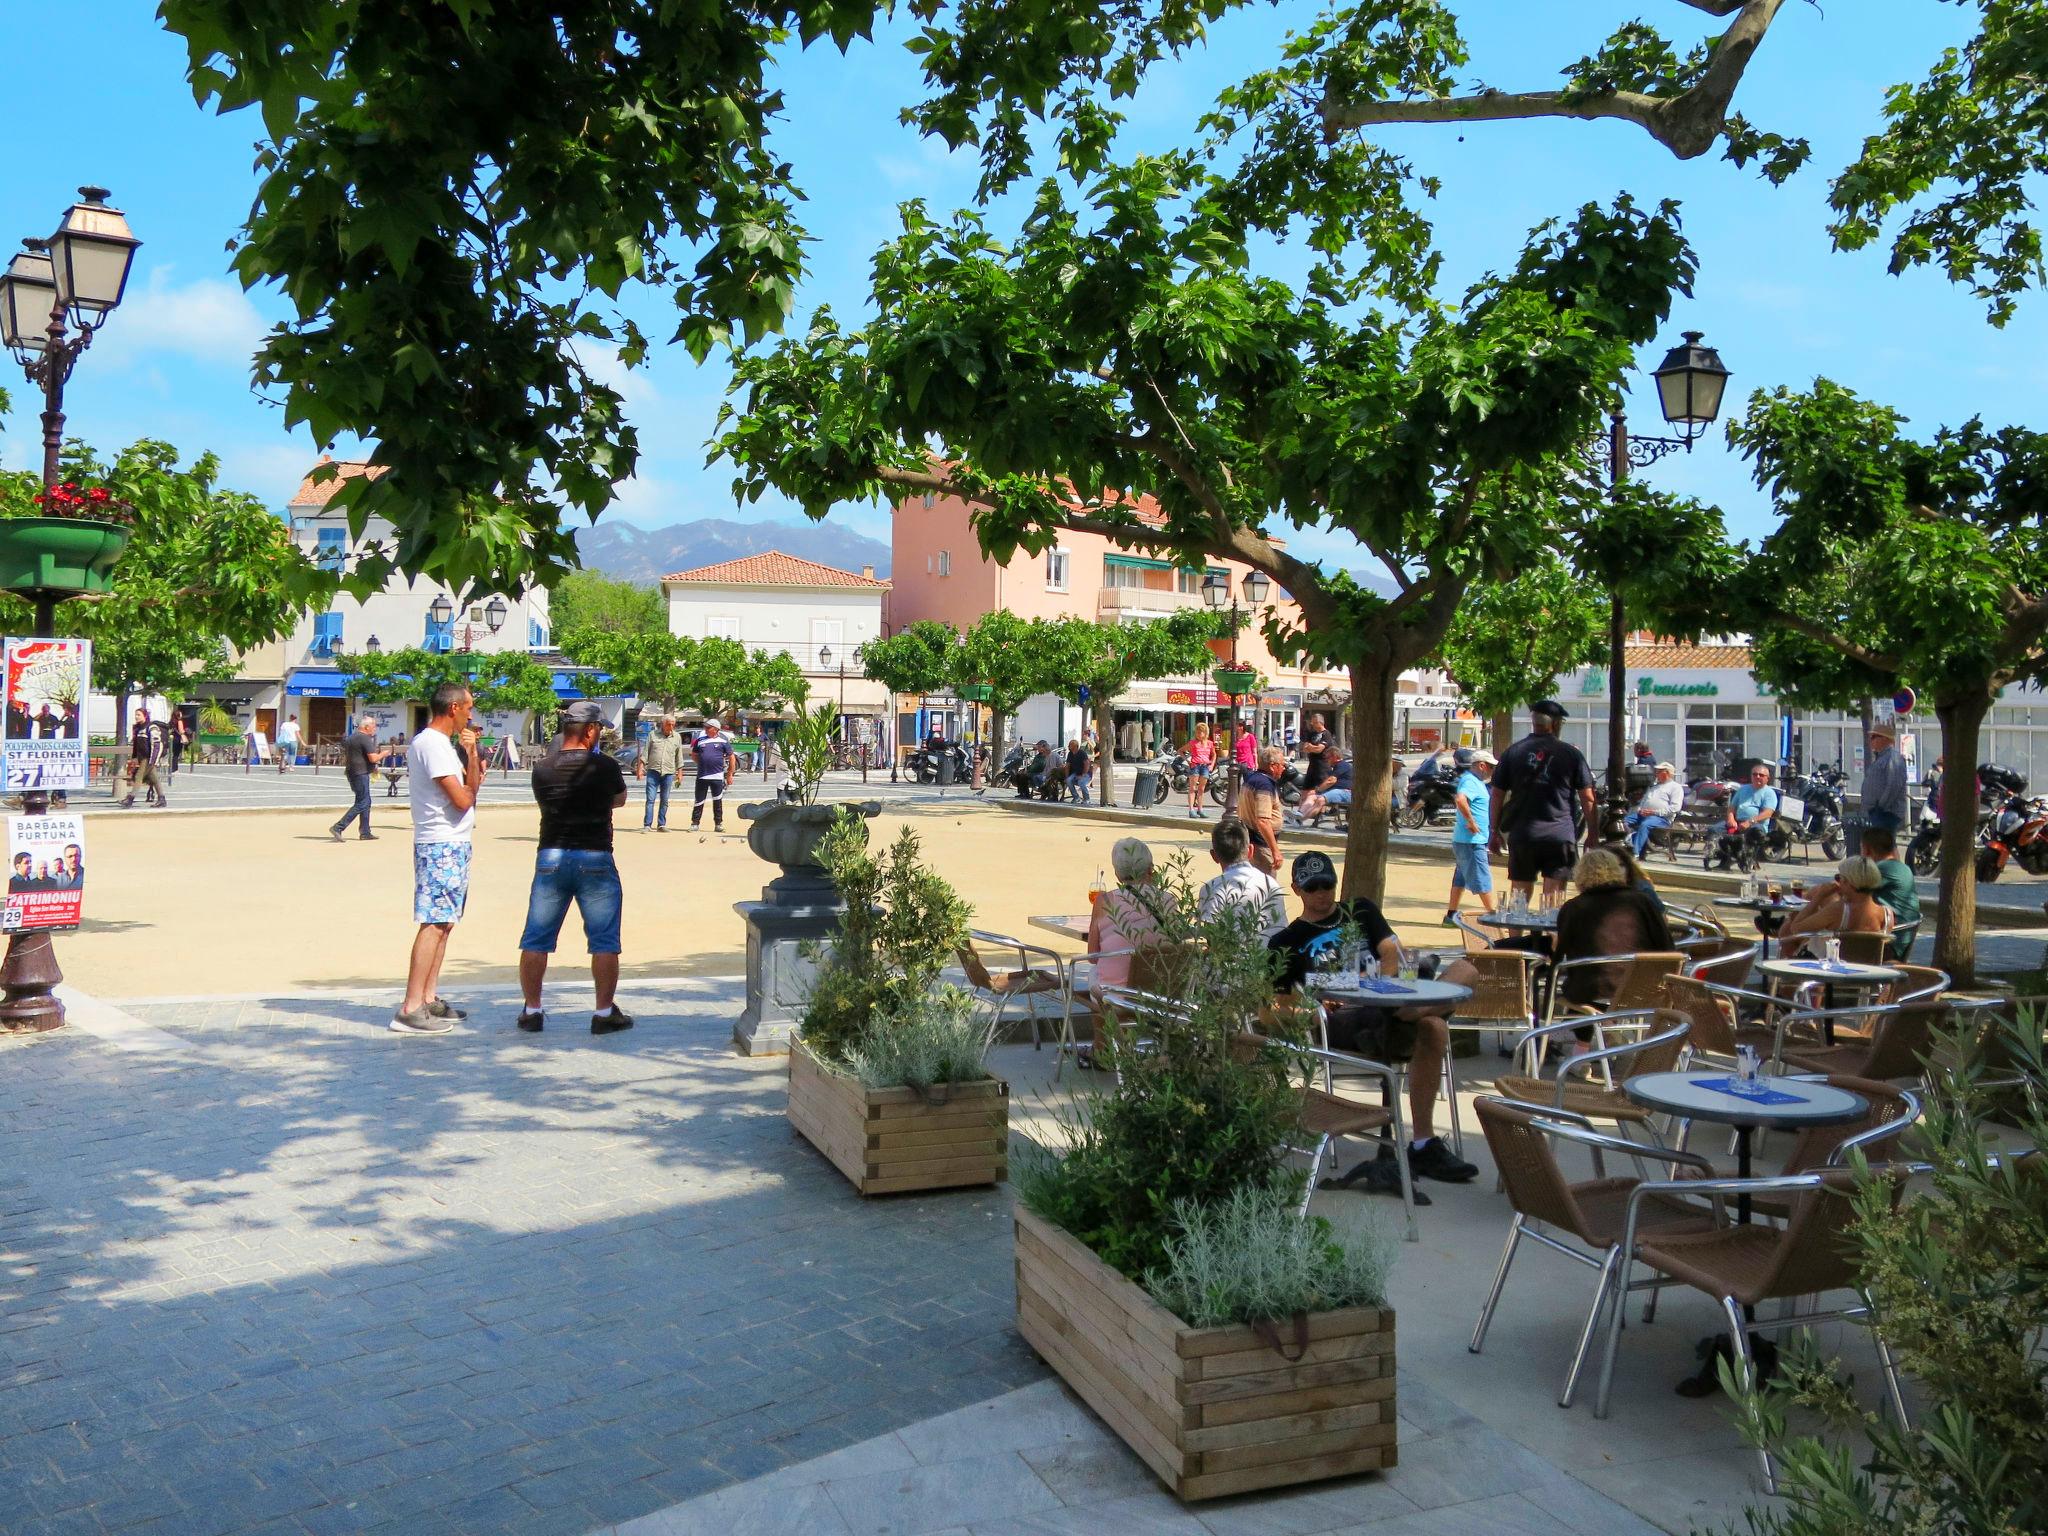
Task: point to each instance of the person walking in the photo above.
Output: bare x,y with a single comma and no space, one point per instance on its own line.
443,774
660,761
1258,807
577,788
288,744
181,740
1537,787
715,766
1201,763
145,753
359,755
1471,831
1884,780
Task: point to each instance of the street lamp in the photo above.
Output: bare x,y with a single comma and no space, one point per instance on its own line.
441,610
1690,383
494,614
824,658
1216,592
373,645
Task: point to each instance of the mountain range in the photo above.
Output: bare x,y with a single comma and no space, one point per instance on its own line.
630,553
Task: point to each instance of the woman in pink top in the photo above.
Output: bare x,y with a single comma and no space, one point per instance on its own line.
1247,751
1122,920
1201,758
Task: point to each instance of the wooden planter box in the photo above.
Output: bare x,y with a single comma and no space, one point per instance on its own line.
890,1140
1213,1411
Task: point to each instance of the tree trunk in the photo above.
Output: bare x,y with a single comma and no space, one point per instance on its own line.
1955,936
120,715
1105,764
1372,728
1503,728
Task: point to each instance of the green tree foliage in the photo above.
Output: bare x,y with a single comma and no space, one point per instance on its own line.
1107,659
1513,639
1957,1276
713,676
1895,560
206,570
921,657
498,680
590,600
1123,344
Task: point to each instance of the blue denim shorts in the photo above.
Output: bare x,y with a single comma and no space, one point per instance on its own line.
586,876
1474,873
1337,797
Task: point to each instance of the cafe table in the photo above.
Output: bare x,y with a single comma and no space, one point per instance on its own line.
1065,925
1544,921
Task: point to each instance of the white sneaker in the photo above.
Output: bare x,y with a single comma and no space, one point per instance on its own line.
420,1022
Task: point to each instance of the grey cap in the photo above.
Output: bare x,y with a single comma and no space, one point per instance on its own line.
583,712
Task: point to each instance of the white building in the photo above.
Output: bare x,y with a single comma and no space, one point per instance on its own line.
819,615
298,675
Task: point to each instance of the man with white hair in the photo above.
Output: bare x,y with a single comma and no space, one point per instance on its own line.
1884,780
1659,807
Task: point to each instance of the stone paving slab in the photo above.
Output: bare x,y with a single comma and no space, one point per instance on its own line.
299,1273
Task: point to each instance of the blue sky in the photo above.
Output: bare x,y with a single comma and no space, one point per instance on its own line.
1772,296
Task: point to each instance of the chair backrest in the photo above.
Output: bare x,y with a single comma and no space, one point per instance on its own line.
1165,968
1642,979
1728,962
1816,1251
1864,948
1501,989
1707,919
971,962
1888,1106
1476,940
1535,1184
1657,1055
1710,1015
1898,1047
1918,982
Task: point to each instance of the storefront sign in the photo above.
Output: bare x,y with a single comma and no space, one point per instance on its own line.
44,738
1648,687
1207,698
45,872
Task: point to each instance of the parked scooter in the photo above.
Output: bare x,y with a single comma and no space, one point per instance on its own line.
1173,773
1430,797
1809,811
924,762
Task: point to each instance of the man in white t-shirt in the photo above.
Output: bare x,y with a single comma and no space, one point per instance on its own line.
443,784
1242,883
288,744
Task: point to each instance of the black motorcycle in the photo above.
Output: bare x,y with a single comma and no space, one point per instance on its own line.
1428,798
1923,853
1173,774
924,762
1809,811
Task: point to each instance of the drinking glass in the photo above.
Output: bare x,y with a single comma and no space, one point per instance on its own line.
1833,950
1747,1063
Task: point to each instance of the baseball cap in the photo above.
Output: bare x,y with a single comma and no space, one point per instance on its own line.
1550,707
1484,756
1314,872
583,712
1666,768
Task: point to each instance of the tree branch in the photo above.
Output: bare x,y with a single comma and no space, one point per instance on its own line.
1686,124
1877,661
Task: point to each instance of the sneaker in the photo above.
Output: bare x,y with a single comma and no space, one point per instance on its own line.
441,1008
1450,919
531,1020
1434,1160
335,833
128,804
420,1021
612,1023
368,837
661,829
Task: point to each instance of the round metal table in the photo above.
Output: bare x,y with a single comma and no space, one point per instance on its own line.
1783,1103
1841,973
1391,992
1523,922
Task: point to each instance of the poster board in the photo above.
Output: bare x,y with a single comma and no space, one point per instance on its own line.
42,739
45,872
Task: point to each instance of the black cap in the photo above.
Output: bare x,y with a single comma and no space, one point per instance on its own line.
1550,707
1314,872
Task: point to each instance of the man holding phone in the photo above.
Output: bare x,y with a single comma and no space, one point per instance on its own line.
444,773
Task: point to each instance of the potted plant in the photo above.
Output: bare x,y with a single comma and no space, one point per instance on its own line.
65,539
1234,680
788,829
1165,1268
888,1074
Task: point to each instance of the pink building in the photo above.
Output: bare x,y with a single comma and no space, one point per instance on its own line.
939,572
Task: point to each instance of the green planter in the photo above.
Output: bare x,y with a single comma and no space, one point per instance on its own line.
1235,681
976,693
59,554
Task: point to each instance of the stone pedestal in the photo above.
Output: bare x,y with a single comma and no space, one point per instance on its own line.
779,927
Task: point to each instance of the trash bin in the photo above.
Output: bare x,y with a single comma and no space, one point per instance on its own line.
945,768
1145,787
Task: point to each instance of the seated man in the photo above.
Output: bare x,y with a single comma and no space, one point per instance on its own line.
1031,777
1329,787
1417,1036
1659,807
1241,883
1752,806
1080,771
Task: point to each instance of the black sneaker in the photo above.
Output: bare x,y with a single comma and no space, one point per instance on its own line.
1435,1160
335,833
369,837
441,1008
610,1023
531,1020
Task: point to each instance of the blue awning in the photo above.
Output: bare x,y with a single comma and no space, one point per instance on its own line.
569,685
317,684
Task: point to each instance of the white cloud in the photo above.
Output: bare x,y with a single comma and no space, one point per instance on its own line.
930,165
210,320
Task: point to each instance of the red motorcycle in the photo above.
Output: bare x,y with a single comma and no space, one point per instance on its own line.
2017,831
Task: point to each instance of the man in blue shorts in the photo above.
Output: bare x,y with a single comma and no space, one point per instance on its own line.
1470,833
443,775
715,764
577,788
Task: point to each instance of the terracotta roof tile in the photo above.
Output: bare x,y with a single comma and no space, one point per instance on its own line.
774,569
1672,654
315,493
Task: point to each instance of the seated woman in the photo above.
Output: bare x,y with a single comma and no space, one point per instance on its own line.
1846,904
1609,916
1126,918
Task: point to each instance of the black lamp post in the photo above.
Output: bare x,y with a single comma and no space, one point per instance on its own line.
1690,383
494,614
53,296
1216,592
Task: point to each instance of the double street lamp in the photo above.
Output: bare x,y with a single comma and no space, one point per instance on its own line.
1690,383
1217,594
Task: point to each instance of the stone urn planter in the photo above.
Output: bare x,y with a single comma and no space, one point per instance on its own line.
798,909
1212,1411
59,554
896,1140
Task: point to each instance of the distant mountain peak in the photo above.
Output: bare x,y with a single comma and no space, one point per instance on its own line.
630,552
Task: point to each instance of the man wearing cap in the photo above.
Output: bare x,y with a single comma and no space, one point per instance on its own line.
1414,1035
1884,780
715,768
1471,830
1659,807
1542,781
577,788
660,761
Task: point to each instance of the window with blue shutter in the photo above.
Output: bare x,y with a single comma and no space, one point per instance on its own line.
326,634
440,637
536,635
331,554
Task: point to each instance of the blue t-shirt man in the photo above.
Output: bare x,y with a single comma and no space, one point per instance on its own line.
1751,801
712,754
1476,794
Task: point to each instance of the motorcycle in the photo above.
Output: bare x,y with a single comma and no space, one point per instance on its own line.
1998,839
924,763
1173,775
1924,852
1809,811
1429,798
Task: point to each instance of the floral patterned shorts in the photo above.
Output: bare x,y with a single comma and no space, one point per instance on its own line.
440,881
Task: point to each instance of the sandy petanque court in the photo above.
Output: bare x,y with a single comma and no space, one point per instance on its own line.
214,904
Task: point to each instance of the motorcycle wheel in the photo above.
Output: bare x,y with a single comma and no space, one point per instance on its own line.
1219,788
1922,857
1414,817
1831,849
1987,866
1161,791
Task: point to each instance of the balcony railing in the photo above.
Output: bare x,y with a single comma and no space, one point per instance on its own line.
1117,603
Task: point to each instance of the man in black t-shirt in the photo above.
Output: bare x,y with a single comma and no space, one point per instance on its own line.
1542,790
577,788
359,754
1418,1036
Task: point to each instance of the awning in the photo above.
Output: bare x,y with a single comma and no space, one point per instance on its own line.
317,684
569,685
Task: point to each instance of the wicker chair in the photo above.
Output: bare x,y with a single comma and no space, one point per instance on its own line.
1326,1115
1634,981
1742,1266
1582,1220
1657,1051
1026,981
1729,962
1917,984
1476,939
1716,1031
1893,1112
1896,1049
1503,999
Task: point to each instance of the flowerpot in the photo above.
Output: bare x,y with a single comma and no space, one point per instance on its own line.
976,693
1212,1411
895,1140
789,835
59,554
1235,681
